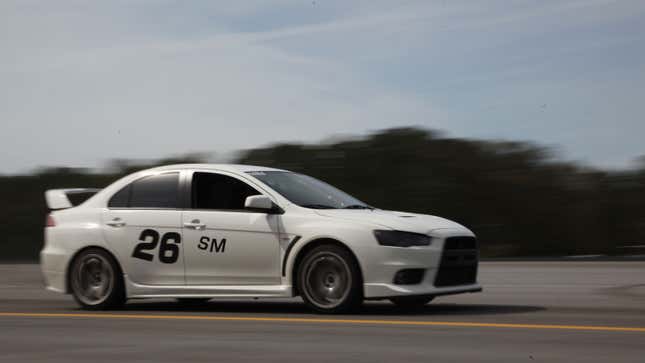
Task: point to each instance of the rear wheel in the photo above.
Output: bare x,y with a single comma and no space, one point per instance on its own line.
411,302
329,280
96,281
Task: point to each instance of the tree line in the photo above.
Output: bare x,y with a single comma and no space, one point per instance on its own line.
516,196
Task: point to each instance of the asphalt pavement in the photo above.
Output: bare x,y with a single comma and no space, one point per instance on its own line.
529,311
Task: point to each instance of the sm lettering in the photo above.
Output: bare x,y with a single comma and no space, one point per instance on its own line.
211,245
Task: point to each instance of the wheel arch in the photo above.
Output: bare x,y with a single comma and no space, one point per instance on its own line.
301,252
68,268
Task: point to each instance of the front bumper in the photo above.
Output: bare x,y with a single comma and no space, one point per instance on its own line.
449,268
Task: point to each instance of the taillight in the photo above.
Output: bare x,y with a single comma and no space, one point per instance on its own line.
50,221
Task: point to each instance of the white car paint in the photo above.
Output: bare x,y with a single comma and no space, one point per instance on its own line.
261,248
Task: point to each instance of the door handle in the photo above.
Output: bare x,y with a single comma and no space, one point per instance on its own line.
195,224
116,222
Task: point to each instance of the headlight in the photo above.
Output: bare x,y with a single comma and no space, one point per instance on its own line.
401,239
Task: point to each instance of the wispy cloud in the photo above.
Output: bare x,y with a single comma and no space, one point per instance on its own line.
94,81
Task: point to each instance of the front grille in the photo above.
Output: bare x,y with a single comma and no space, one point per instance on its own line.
458,264
460,243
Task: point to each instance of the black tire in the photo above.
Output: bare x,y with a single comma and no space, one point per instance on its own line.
96,280
411,302
329,280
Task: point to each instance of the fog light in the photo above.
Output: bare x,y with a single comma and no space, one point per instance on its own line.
410,276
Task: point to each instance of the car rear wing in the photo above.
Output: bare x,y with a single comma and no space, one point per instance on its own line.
68,198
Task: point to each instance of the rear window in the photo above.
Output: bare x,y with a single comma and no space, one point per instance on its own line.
155,191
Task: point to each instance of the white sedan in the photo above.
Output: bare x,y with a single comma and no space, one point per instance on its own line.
202,231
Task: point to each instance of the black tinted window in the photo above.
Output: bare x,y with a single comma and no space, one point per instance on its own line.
157,191
78,198
216,191
120,199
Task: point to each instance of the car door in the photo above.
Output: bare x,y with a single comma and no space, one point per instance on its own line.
226,244
142,224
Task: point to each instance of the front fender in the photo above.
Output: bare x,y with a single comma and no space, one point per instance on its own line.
354,237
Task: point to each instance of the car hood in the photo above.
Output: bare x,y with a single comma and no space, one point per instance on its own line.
402,221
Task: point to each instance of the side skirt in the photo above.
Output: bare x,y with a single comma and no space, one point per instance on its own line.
134,291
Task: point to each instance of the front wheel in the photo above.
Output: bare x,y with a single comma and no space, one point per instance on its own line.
329,280
96,281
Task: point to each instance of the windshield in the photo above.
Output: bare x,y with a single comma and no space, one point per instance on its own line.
308,192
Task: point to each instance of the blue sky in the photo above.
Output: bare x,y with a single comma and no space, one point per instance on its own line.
83,82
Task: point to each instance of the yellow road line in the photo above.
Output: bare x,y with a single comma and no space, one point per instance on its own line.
328,321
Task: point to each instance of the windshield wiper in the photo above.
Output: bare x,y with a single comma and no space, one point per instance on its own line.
358,206
318,206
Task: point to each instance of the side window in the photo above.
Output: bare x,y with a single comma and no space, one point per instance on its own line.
156,191
216,191
121,198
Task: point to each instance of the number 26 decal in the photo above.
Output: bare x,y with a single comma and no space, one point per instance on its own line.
168,251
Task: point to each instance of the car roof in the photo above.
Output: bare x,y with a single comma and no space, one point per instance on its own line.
240,168
102,197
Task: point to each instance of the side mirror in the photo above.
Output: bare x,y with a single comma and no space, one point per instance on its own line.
259,202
